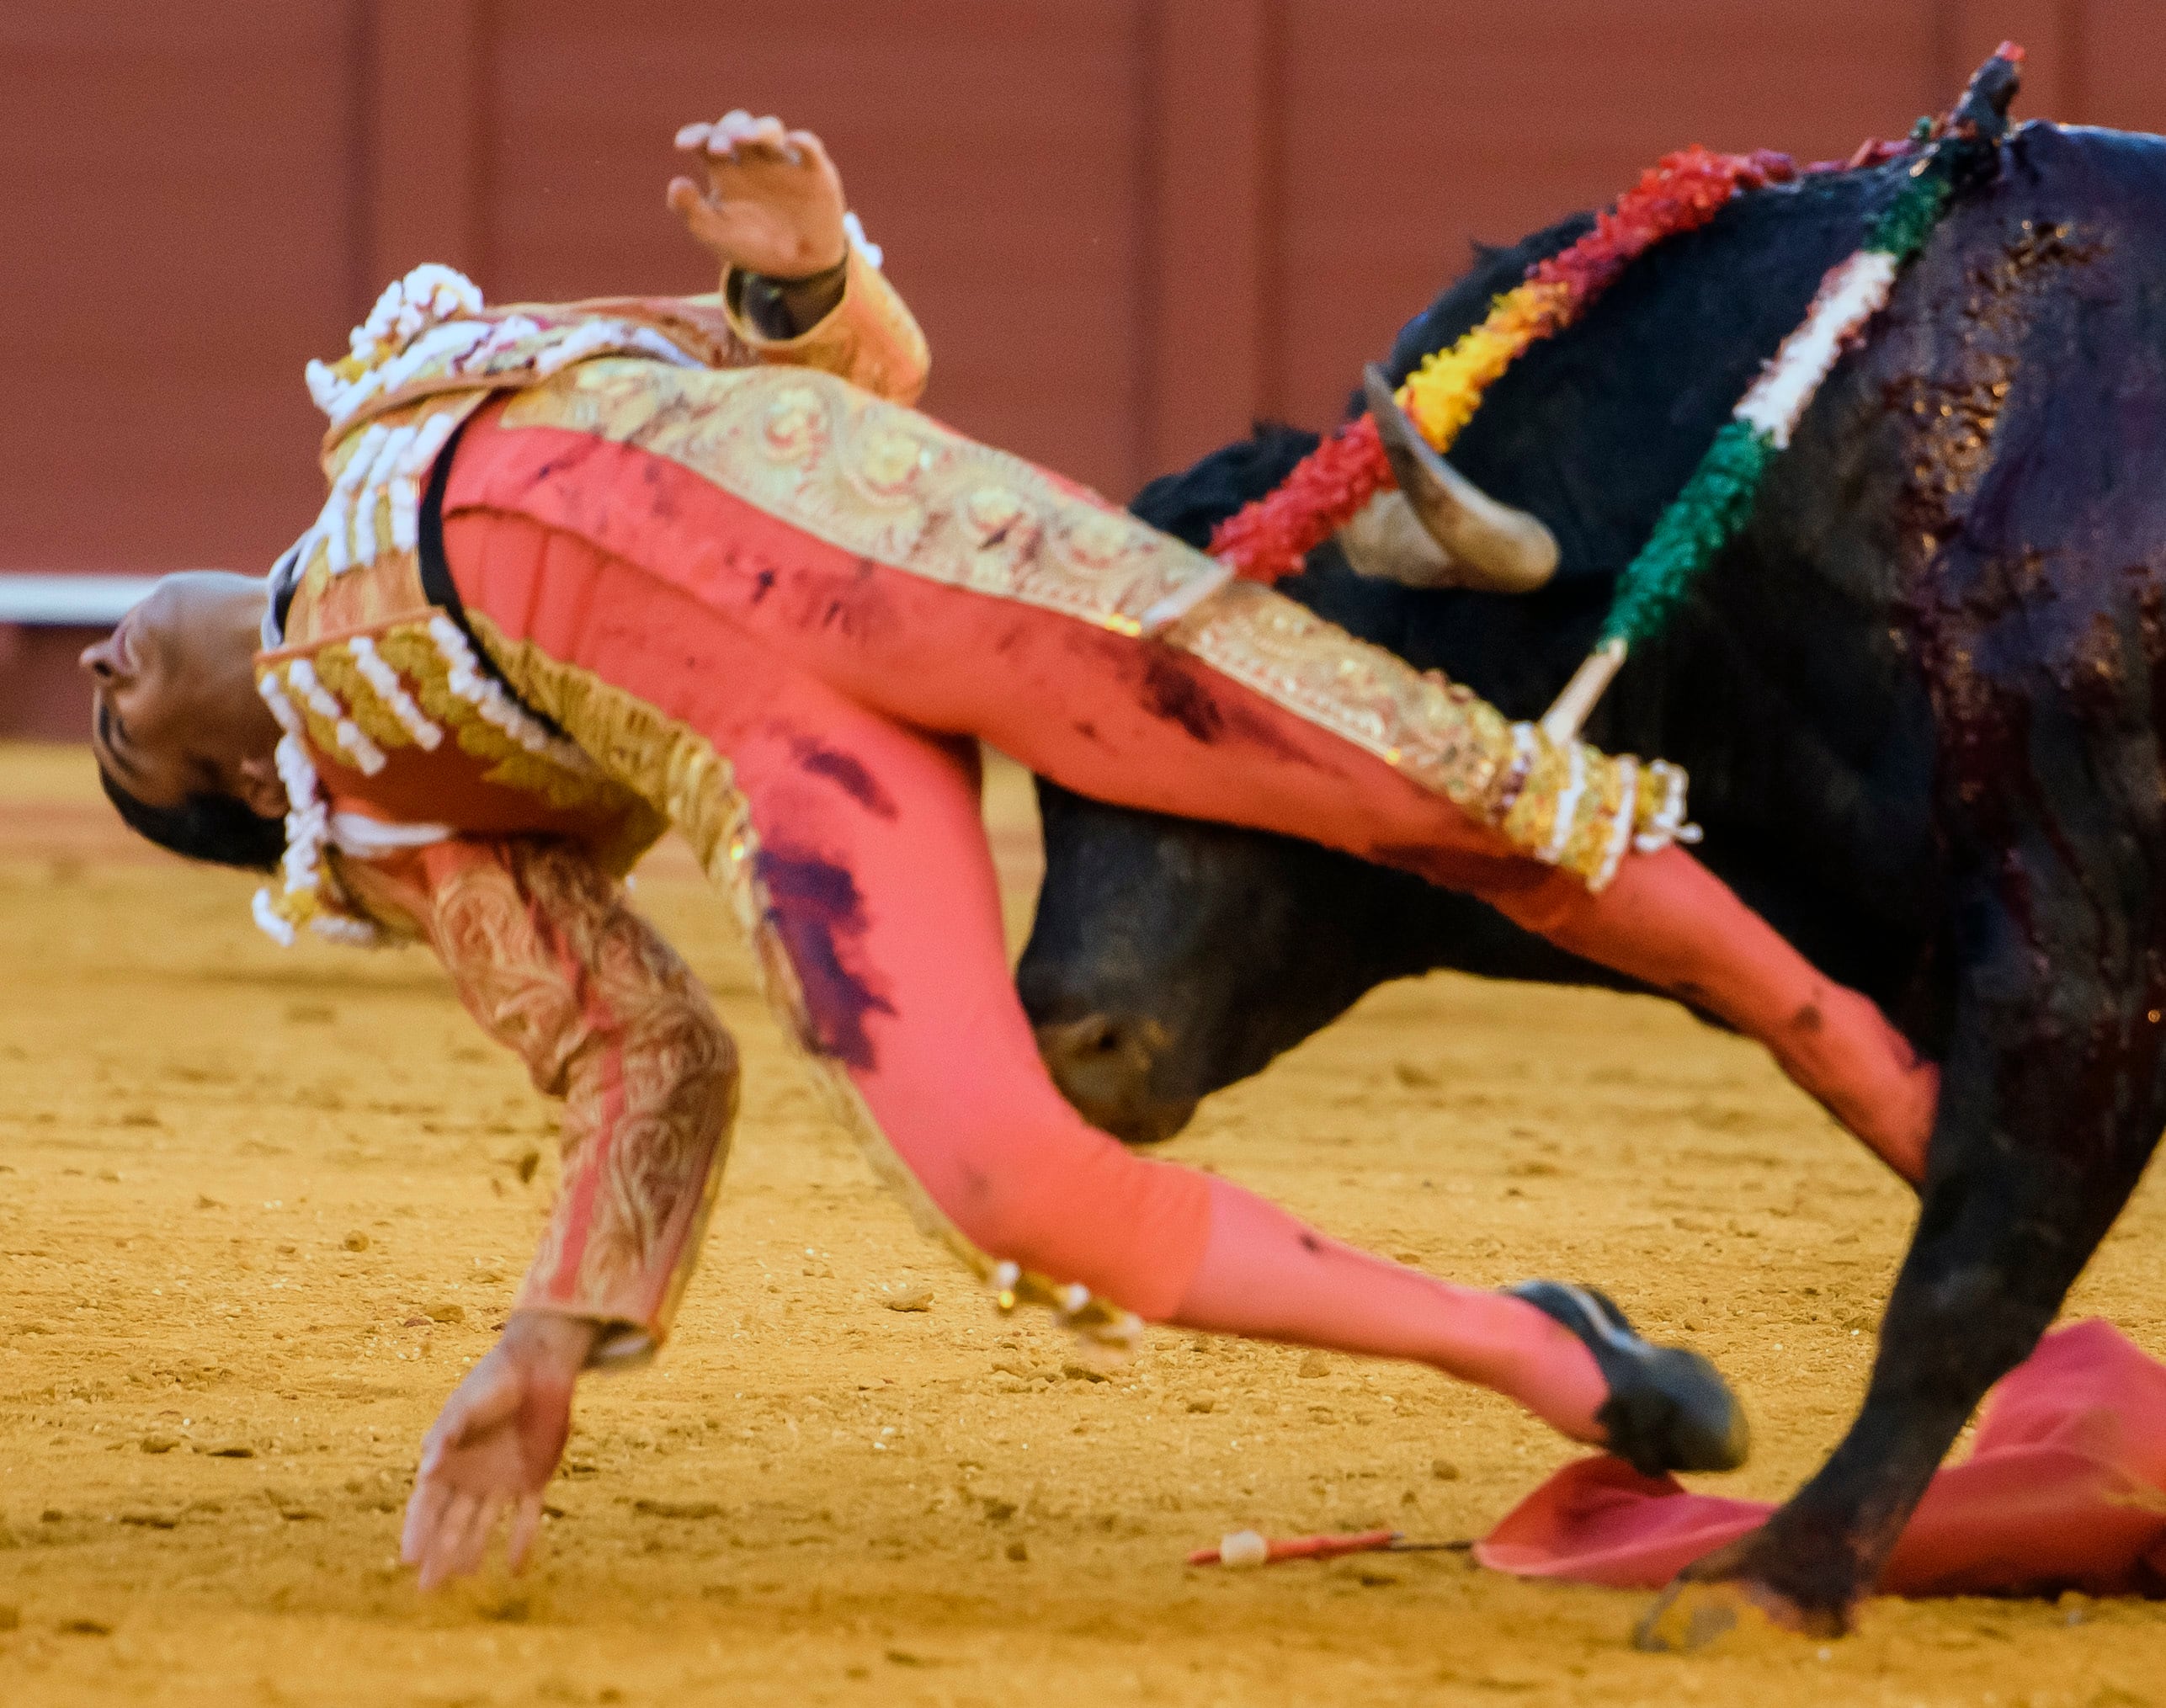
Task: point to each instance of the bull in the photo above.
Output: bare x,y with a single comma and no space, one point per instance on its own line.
1921,696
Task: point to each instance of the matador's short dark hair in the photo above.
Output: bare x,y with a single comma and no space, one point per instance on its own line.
217,828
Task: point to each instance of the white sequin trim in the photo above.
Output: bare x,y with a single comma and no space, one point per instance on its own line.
1853,295
353,740
1525,752
1668,825
1567,804
368,838
343,928
503,334
308,828
390,452
596,338
486,695
384,682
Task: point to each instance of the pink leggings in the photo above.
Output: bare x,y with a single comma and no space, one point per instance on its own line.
848,695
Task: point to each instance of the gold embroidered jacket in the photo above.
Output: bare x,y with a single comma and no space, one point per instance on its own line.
428,802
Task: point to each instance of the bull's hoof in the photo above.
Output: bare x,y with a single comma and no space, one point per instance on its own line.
1669,1409
1689,1617
1722,1594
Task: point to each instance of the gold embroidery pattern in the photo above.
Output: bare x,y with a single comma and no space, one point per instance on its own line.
885,483
410,650
666,1113
878,481
335,668
679,773
1442,735
413,654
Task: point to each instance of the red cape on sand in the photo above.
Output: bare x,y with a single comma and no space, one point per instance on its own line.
2066,1489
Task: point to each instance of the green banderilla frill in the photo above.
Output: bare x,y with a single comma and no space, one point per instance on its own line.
1720,498
1717,502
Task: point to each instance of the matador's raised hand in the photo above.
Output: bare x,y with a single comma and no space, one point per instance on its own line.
773,202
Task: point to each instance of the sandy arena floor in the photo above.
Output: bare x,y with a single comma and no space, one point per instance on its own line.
258,1209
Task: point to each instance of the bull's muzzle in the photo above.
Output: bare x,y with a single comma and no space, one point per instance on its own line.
1102,1064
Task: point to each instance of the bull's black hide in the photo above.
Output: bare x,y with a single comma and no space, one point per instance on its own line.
1921,699
1229,946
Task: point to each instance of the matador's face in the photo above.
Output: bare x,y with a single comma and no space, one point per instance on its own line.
175,712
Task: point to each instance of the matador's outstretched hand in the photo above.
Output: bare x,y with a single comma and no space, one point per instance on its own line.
494,1448
772,202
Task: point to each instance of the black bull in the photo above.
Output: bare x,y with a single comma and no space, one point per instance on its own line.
1921,697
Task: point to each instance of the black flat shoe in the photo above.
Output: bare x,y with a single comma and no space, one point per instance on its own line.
1669,1409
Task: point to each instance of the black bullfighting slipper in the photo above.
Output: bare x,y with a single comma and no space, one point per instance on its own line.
1669,1409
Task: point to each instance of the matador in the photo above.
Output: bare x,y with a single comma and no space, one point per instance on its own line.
589,570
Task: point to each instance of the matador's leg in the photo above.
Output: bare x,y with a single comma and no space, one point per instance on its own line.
876,910
1162,727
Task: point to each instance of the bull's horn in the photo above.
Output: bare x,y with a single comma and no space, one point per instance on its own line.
1384,541
1497,548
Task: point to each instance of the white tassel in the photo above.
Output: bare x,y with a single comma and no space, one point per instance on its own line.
353,741
1668,824
875,256
335,523
282,709
269,922
325,388
384,682
355,394
368,838
393,447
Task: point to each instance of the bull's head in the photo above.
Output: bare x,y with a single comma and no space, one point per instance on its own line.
1439,528
1171,957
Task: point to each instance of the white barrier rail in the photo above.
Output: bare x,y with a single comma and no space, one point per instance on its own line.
69,601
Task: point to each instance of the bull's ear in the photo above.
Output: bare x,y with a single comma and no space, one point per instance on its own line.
1495,547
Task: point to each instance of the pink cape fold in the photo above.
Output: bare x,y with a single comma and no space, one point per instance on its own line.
2064,1489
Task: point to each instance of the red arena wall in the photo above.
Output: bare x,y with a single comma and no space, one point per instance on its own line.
1129,226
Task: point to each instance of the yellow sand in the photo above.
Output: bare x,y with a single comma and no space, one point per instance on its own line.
259,1208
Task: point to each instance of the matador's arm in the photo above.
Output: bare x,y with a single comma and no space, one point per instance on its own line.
798,288
546,956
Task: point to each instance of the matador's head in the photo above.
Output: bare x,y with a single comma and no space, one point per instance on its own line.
186,748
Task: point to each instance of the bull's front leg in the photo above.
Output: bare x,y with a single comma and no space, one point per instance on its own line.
2051,1103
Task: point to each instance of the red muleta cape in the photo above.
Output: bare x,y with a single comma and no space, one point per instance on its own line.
2064,1489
